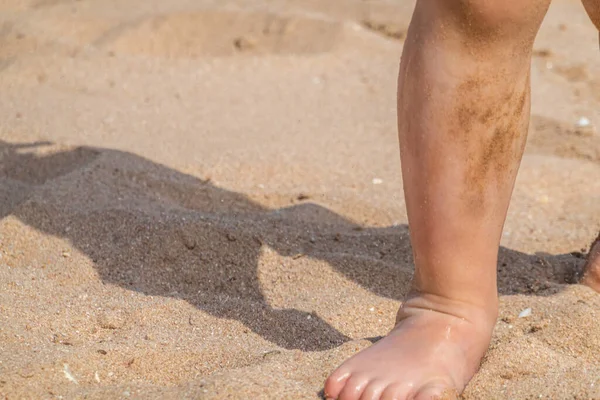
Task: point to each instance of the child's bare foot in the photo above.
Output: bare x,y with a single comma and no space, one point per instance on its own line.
592,268
433,351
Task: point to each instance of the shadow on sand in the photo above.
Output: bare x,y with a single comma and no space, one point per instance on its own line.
158,231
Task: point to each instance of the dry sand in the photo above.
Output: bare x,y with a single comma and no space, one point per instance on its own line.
202,199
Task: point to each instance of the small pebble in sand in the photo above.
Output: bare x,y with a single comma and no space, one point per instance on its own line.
189,241
525,313
583,122
244,43
111,320
26,373
584,127
69,375
271,354
377,181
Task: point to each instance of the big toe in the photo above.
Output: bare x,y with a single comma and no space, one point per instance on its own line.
335,383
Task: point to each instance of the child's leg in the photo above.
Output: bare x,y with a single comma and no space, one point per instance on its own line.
592,269
593,9
463,108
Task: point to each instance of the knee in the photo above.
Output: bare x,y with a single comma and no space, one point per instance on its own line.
486,17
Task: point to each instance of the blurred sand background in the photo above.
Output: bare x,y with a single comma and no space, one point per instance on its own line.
202,199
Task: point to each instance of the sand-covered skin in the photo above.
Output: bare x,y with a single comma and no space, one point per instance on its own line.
202,199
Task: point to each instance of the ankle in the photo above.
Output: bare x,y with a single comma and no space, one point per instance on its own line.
483,313
476,291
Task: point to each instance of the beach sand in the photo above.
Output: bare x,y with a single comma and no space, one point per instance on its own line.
202,199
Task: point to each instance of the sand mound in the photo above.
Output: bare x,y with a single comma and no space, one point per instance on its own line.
213,33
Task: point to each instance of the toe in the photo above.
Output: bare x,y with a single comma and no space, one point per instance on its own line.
335,383
395,392
354,387
373,390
